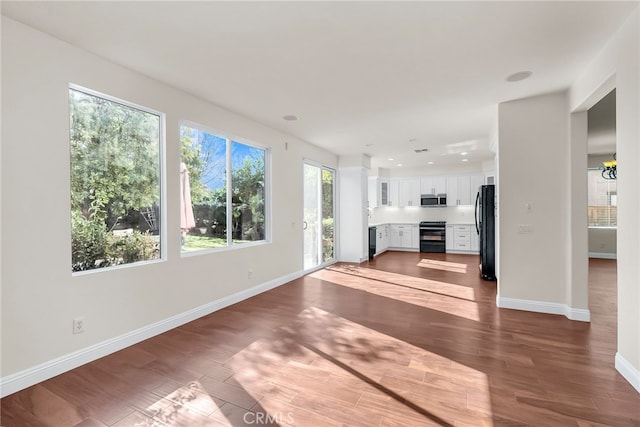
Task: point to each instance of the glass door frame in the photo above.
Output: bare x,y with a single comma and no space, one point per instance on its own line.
320,263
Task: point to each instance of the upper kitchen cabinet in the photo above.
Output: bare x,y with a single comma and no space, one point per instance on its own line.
378,192
461,190
394,188
433,185
408,192
404,192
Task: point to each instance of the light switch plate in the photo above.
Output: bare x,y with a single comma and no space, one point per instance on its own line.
525,228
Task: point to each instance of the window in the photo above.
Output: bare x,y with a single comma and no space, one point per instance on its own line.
602,200
223,191
115,181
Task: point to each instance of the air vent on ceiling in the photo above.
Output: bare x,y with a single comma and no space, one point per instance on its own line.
421,150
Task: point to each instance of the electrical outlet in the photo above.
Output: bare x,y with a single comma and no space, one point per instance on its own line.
250,273
78,325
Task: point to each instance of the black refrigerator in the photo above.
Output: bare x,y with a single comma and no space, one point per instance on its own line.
486,228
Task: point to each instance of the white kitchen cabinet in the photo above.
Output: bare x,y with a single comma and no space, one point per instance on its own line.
460,238
402,236
461,190
452,191
475,239
433,185
415,237
384,192
378,192
409,192
490,178
382,238
395,240
394,195
448,238
385,238
476,182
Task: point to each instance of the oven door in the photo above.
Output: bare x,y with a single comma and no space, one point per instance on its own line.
432,239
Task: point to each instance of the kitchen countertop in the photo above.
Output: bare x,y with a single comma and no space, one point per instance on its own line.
377,224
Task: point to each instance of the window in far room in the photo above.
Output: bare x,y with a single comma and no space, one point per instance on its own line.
223,198
602,200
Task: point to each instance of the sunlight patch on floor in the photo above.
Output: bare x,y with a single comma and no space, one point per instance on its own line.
454,267
426,296
323,369
187,405
443,288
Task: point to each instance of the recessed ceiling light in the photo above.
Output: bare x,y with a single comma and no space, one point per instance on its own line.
520,75
464,153
429,163
465,160
290,117
399,164
390,159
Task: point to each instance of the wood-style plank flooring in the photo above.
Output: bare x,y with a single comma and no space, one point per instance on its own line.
408,339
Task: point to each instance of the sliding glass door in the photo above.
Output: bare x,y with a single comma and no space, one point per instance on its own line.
319,207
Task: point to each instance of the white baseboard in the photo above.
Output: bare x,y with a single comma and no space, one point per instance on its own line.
628,371
579,314
603,255
31,376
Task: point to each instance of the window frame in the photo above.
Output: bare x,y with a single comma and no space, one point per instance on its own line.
230,138
606,227
162,179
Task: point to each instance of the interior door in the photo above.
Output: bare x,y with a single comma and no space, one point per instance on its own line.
318,222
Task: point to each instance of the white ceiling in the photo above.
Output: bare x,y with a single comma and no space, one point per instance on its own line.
364,77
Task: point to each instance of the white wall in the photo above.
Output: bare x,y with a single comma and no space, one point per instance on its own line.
576,218
40,297
532,134
619,65
602,242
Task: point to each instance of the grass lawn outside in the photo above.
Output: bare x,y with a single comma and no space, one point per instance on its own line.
197,243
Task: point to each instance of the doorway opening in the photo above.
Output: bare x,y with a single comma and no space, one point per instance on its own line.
602,184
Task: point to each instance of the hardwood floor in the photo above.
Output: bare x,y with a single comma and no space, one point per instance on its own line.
408,339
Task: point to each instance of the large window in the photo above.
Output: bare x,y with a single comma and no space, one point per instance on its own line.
223,190
602,200
115,181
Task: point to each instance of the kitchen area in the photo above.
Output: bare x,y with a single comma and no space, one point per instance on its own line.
430,214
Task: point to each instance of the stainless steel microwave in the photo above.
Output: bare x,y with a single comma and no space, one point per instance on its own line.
433,200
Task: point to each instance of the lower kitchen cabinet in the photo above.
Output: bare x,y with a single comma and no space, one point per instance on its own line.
403,236
461,238
449,238
382,238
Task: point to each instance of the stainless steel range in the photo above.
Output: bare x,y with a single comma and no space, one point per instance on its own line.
433,236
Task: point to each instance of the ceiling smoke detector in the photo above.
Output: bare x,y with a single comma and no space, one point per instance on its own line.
421,150
520,75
